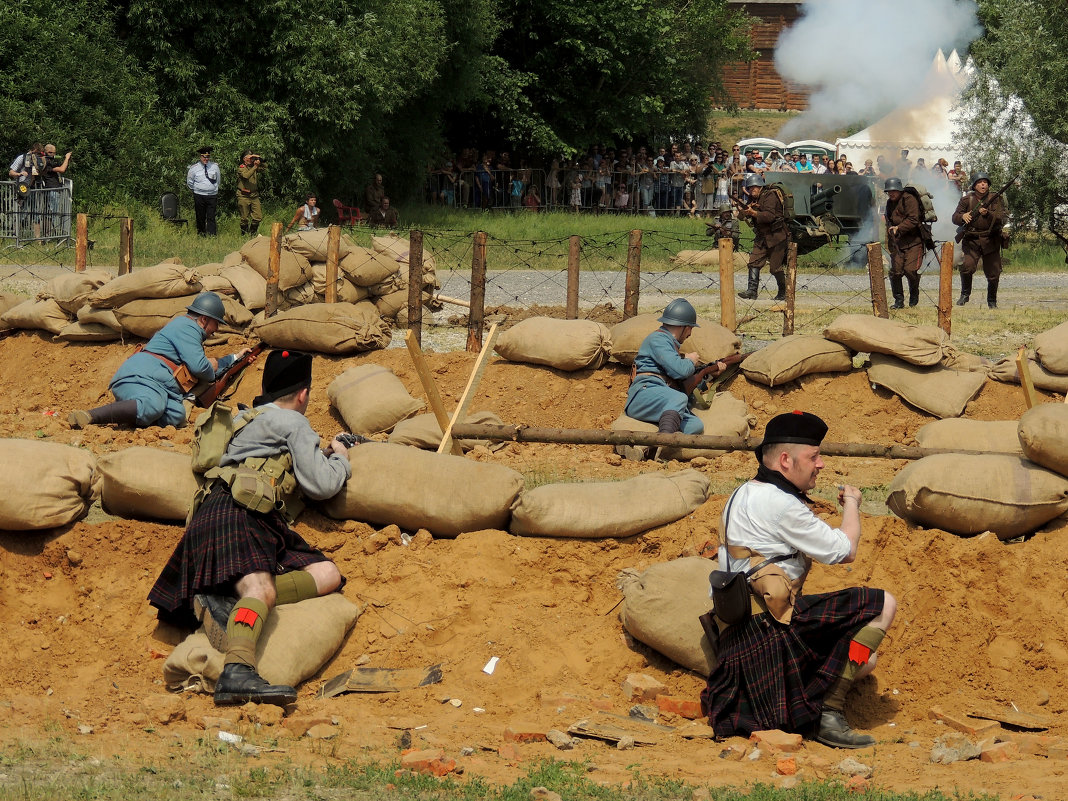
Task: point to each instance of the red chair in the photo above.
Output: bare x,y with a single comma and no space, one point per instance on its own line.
347,215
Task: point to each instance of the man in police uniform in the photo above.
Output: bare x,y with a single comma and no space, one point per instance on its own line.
249,172
982,238
234,564
790,665
903,218
202,178
767,215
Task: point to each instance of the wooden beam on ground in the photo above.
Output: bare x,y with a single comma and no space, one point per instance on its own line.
945,289
469,390
430,386
877,280
1024,369
333,250
728,316
453,301
274,267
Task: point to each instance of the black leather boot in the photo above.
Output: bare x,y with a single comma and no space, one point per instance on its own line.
965,289
239,684
992,293
244,228
754,285
913,280
835,732
213,611
254,228
780,282
121,412
898,291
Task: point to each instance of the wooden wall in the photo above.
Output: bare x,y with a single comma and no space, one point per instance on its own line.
756,84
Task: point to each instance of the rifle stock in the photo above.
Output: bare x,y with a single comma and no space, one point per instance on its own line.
705,371
219,386
962,230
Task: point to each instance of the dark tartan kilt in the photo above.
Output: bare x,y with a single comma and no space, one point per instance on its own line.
222,543
775,676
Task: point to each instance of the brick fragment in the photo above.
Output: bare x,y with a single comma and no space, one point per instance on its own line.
1000,752
522,732
689,708
972,726
786,766
640,687
776,741
857,784
509,753
430,760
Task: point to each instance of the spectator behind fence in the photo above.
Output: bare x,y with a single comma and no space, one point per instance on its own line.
202,178
532,200
54,171
552,183
307,215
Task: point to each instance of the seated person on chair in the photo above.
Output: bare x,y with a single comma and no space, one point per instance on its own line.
385,216
307,214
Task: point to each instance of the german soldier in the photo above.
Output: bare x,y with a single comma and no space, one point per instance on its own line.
767,215
903,217
982,238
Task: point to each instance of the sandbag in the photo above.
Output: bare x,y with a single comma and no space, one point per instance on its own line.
1043,435
9,301
564,344
398,247
391,305
794,356
293,269
662,606
315,245
1051,348
726,416
971,494
915,344
87,315
251,287
364,267
708,258
447,495
143,318
296,642
347,292
147,483
87,332
232,258
1007,372
963,362
423,431
935,390
45,484
211,269
327,328
217,284
297,296
371,399
43,315
164,280
608,508
990,436
711,340
70,291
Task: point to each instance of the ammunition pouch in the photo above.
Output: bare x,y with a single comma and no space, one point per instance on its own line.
261,484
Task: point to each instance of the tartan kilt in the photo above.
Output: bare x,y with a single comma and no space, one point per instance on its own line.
222,543
775,676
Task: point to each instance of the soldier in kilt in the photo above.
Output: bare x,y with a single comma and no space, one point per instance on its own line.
790,665
233,565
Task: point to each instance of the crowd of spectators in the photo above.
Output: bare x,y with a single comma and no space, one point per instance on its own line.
39,169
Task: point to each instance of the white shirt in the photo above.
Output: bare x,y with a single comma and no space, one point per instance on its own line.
771,522
819,169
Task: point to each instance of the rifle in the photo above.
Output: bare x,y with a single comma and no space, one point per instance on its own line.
963,229
232,375
695,385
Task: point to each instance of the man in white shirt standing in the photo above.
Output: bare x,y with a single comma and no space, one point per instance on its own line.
202,178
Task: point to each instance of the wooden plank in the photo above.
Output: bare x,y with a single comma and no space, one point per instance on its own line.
634,271
875,278
791,290
476,317
126,246
469,390
1028,386
430,386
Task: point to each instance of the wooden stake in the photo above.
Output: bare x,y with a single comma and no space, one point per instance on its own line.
634,272
476,319
945,289
430,386
125,246
1023,367
453,301
274,266
81,243
728,316
791,290
574,249
333,249
415,285
469,390
878,284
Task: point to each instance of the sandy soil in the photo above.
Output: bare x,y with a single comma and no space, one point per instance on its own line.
980,626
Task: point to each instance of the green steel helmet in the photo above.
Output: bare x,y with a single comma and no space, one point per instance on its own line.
893,185
207,304
754,179
679,312
979,176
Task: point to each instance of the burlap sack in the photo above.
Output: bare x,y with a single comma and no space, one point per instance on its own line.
726,416
232,258
217,284
347,292
662,606
601,509
327,328
212,269
251,287
371,399
87,332
1007,372
915,344
70,291
315,245
711,340
43,315
971,494
963,362
143,318
296,642
564,344
990,436
87,315
423,431
147,482
794,356
708,258
398,247
1043,434
297,296
365,267
9,301
447,495
164,280
935,390
45,484
391,305
293,269
1052,349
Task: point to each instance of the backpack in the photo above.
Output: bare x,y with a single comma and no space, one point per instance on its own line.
926,200
787,198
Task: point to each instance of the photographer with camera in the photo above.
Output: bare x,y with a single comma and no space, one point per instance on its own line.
249,171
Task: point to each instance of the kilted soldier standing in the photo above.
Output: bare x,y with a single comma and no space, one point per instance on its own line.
790,665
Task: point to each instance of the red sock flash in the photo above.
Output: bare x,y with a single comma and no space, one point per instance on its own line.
249,618
859,653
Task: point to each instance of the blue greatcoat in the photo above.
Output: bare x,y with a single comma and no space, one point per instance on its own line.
649,395
147,380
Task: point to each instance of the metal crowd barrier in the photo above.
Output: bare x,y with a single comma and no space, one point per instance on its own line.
42,215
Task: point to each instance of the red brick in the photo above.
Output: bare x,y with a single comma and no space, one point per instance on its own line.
1028,742
786,766
431,760
775,740
299,726
509,753
684,707
1000,752
972,726
857,784
517,732
638,686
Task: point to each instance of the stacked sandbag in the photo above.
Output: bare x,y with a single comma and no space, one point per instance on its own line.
935,390
168,279
398,247
726,416
78,331
72,290
1051,348
915,344
794,356
44,315
966,362
293,268
447,495
251,287
371,399
596,510
1008,372
1043,434
988,436
8,301
662,606
567,345
423,431
45,484
966,494
146,316
87,316
337,328
710,340
147,483
708,258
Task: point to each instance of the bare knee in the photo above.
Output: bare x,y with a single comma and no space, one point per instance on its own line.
886,618
259,586
327,576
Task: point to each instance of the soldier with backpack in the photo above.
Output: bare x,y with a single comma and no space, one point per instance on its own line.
904,219
767,214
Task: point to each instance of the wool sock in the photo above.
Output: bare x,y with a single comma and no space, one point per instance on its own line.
243,631
864,643
296,585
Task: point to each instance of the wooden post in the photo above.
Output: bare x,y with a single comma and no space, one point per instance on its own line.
878,285
1024,369
574,248
728,316
945,289
469,390
430,386
274,265
333,249
476,316
125,246
791,289
415,286
81,244
634,272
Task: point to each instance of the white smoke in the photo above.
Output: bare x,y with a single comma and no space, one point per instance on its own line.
863,58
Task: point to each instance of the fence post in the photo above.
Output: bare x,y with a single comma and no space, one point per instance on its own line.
945,289
415,285
791,289
274,263
477,312
728,318
875,276
333,249
573,250
634,272
125,246
81,244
